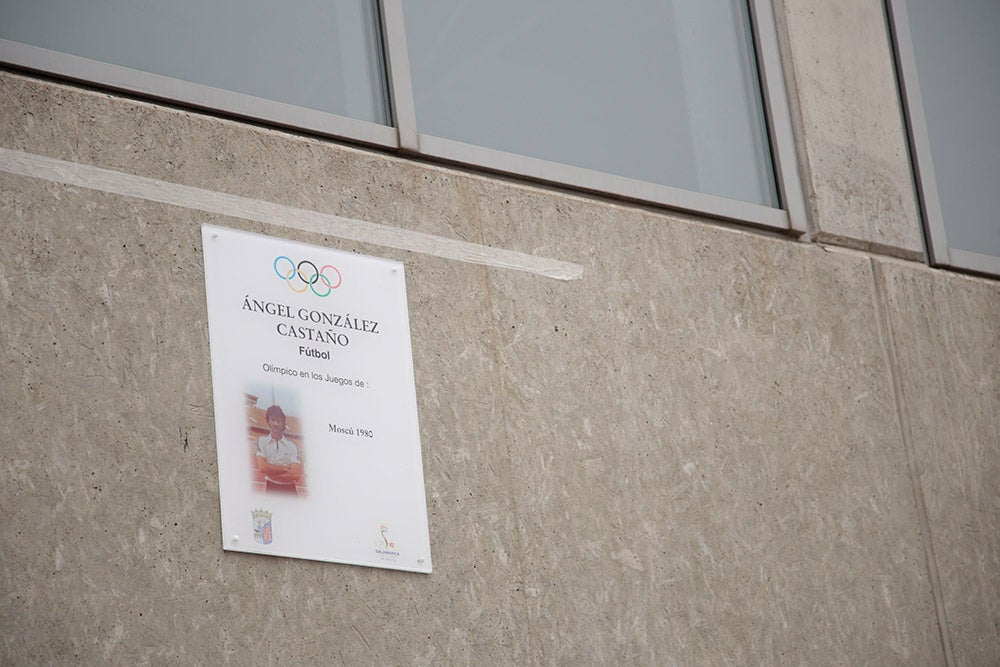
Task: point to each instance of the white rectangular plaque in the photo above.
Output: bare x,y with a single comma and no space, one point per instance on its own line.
315,406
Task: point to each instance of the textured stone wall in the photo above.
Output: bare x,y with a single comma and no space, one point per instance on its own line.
716,446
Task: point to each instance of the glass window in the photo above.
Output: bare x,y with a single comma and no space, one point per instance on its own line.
322,55
662,91
657,101
949,54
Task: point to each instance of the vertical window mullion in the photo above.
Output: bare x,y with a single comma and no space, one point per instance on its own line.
776,112
398,66
920,147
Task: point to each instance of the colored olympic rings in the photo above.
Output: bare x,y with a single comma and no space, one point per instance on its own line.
308,276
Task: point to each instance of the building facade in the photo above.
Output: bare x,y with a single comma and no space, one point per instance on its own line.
660,424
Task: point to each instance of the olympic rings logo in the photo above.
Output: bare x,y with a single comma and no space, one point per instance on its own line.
306,276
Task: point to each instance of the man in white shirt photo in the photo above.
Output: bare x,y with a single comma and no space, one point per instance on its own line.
277,456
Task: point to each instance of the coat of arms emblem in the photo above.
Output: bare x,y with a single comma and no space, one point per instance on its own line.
262,526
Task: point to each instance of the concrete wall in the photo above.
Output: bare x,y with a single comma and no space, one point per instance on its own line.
851,140
717,446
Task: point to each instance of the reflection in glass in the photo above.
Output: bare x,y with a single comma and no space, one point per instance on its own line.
663,91
317,54
956,46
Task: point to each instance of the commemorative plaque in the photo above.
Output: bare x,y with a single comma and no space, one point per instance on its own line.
315,406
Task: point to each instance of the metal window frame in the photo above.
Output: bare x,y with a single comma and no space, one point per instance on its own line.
789,216
403,136
197,95
777,114
939,252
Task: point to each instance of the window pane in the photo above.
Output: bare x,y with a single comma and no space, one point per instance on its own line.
317,54
956,46
657,90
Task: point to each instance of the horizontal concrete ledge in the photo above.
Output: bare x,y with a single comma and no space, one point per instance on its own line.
221,203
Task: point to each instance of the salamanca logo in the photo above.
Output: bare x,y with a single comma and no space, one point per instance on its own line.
305,275
385,548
